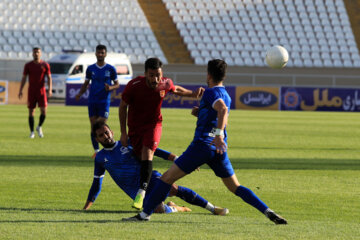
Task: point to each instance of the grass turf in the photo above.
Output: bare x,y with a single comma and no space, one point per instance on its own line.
304,165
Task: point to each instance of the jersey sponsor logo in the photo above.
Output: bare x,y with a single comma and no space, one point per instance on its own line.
124,150
162,93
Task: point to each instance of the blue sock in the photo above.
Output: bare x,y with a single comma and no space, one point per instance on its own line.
191,197
162,153
249,197
157,195
94,142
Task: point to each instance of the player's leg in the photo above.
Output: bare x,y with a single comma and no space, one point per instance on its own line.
41,121
193,198
31,122
94,143
42,102
250,197
150,141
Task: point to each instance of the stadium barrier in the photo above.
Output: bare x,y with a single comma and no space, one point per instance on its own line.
254,98
3,92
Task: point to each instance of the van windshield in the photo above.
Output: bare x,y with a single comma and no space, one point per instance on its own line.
60,68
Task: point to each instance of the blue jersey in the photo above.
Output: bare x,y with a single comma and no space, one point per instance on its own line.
123,167
207,116
98,77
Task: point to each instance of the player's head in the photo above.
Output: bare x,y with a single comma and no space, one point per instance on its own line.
216,71
36,52
153,72
100,52
103,134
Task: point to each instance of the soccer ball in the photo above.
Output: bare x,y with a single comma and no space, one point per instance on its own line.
277,57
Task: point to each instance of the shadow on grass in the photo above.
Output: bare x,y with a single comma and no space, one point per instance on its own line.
65,210
238,163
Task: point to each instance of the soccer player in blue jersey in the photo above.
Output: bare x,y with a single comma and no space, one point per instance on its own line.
208,146
101,75
124,168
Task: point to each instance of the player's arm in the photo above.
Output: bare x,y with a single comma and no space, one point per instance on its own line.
108,87
181,91
96,185
165,154
22,84
222,118
49,84
82,89
123,117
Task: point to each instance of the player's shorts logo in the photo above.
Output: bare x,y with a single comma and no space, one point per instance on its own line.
162,93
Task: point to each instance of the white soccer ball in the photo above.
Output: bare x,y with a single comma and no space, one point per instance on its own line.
277,57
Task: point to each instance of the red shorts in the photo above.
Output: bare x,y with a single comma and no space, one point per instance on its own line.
38,97
148,137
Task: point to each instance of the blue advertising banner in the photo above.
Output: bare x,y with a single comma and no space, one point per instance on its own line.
320,99
170,100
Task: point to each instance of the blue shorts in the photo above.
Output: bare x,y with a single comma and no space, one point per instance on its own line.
199,153
99,109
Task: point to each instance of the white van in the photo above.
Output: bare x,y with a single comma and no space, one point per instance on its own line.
70,67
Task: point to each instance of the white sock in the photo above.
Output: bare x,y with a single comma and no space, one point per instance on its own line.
267,211
141,192
143,215
210,207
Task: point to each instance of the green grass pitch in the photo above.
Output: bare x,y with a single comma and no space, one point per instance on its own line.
304,165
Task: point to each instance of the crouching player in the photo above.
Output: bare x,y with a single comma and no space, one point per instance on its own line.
124,168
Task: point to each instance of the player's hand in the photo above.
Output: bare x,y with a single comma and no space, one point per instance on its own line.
124,139
20,95
88,204
50,93
198,92
107,87
195,111
219,143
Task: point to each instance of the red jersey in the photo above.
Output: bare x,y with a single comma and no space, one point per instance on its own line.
145,102
37,73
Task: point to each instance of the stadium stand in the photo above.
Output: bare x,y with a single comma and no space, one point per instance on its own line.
78,24
317,33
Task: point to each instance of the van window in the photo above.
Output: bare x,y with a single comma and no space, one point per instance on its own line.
77,69
122,69
60,68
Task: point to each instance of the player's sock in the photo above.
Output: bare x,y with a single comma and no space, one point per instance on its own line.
145,173
41,119
157,195
191,197
162,153
249,197
210,207
31,123
94,142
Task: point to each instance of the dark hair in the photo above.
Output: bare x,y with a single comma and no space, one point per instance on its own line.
36,48
153,63
217,69
97,125
101,47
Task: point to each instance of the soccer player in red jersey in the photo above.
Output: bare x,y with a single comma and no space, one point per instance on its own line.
140,109
36,70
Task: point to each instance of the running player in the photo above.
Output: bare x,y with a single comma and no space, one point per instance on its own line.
143,96
208,146
37,69
101,75
124,168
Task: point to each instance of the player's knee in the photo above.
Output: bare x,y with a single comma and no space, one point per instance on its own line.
173,190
